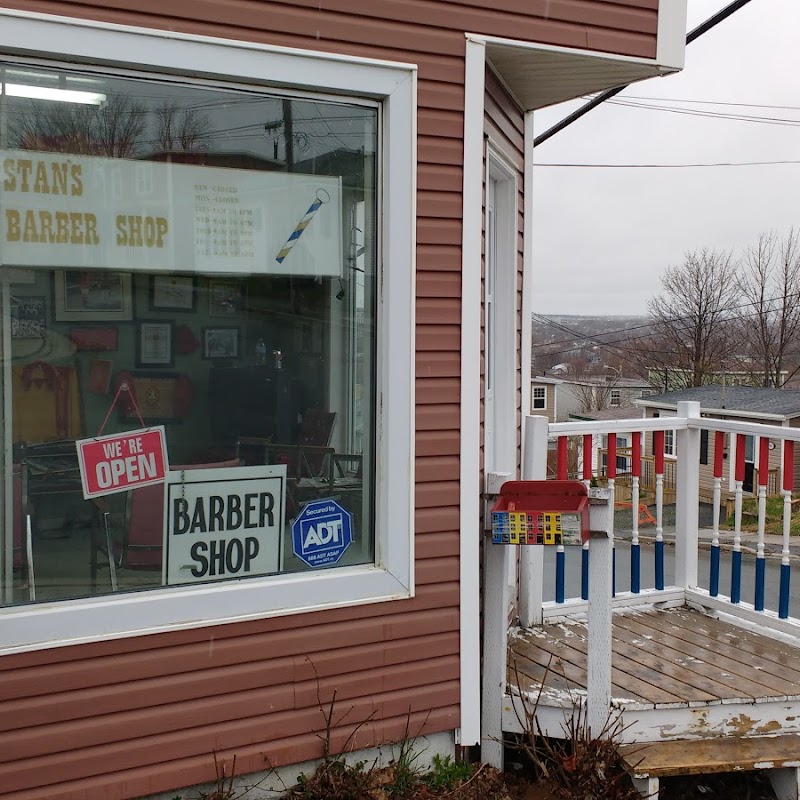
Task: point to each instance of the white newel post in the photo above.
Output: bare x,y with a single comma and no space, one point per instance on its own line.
531,559
687,499
601,524
497,560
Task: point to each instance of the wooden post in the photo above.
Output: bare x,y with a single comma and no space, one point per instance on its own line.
687,498
531,559
496,602
598,700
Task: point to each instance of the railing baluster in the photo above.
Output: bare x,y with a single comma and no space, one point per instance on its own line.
560,573
561,474
761,563
788,486
658,453
719,453
736,555
561,468
587,479
636,471
611,471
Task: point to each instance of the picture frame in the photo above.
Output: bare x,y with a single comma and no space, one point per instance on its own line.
92,296
162,397
28,317
173,293
154,344
221,343
99,378
226,297
94,338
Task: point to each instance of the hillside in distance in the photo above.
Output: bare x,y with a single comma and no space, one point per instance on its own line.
577,330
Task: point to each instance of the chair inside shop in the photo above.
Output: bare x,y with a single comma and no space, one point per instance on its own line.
309,460
22,546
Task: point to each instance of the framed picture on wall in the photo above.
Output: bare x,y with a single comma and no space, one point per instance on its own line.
92,296
173,292
28,319
220,343
226,298
154,344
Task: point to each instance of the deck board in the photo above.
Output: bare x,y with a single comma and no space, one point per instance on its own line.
727,669
697,659
763,649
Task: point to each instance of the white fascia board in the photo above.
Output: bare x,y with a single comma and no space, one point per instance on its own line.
520,44
671,41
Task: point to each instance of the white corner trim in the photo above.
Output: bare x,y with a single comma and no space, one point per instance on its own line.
470,485
526,343
671,41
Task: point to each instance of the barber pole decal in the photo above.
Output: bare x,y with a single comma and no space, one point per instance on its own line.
320,200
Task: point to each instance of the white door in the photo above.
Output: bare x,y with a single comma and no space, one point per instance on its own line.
500,433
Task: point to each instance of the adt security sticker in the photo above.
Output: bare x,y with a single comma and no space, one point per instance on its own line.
321,533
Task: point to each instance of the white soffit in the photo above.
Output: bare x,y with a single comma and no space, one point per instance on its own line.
540,76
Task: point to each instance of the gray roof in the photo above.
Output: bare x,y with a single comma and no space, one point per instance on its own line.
615,412
735,399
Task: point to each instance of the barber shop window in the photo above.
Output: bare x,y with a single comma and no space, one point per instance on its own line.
193,267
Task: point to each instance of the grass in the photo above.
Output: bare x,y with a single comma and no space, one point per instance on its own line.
774,516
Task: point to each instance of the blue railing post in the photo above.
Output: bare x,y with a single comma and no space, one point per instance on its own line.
585,572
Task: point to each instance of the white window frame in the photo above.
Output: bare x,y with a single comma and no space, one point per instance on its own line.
141,51
542,399
615,398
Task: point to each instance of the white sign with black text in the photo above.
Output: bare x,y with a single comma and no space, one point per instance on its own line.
221,524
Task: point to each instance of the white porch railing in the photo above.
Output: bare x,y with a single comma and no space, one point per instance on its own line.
577,442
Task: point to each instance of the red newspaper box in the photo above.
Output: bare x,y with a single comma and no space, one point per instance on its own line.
541,512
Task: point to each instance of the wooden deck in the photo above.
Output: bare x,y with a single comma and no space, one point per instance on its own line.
676,674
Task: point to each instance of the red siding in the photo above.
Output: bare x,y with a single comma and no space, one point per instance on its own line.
125,718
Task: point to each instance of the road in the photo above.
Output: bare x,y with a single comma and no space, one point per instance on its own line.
622,550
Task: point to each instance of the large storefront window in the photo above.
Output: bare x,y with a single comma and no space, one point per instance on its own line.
203,262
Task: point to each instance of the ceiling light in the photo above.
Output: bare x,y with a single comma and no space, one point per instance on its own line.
48,93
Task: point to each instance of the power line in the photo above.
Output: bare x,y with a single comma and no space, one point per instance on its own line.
711,102
720,115
785,162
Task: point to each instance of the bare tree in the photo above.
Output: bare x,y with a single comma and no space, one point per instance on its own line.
694,334
592,387
182,129
770,283
113,130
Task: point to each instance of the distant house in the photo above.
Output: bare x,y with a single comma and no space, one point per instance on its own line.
743,403
560,398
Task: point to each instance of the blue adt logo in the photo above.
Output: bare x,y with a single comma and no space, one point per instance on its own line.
321,533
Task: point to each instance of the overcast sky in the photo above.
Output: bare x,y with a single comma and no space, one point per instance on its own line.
604,236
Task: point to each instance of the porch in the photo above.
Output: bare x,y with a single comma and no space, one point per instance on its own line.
664,663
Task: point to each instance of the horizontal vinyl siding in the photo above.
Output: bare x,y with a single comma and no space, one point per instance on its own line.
121,719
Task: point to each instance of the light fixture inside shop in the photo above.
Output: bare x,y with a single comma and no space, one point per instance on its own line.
58,95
